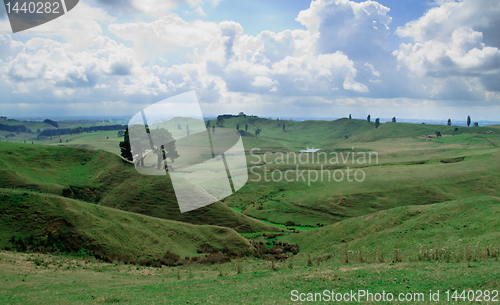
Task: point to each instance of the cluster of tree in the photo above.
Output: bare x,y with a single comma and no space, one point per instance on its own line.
64,131
377,120
14,128
141,145
257,131
50,122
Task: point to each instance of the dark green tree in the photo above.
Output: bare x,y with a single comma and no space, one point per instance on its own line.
283,125
125,150
208,124
170,152
377,122
246,127
468,120
220,121
368,118
449,122
238,126
139,145
350,117
438,134
394,120
257,131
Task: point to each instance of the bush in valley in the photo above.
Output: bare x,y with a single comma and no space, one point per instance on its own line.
279,251
206,248
87,194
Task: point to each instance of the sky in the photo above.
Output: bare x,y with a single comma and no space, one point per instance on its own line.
322,59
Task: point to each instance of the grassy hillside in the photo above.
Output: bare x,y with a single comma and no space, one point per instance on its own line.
418,177
34,279
330,134
449,226
69,225
105,179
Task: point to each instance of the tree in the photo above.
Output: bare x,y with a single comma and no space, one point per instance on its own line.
257,131
449,122
139,145
456,129
220,121
213,129
468,120
179,126
377,122
394,120
246,127
125,150
476,124
368,118
208,124
350,117
438,134
187,130
170,152
165,150
60,140
238,126
283,125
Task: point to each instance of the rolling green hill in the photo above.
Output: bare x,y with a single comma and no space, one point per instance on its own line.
452,226
55,222
330,134
105,179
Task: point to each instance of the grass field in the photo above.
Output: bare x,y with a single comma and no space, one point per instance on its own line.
424,217
34,278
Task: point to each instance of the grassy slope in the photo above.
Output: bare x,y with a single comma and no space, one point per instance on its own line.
113,232
103,178
67,281
452,224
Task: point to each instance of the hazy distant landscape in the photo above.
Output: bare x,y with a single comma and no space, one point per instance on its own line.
76,214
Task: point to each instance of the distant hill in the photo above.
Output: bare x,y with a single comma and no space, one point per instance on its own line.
321,134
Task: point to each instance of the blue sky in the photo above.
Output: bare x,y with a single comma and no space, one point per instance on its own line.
326,58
